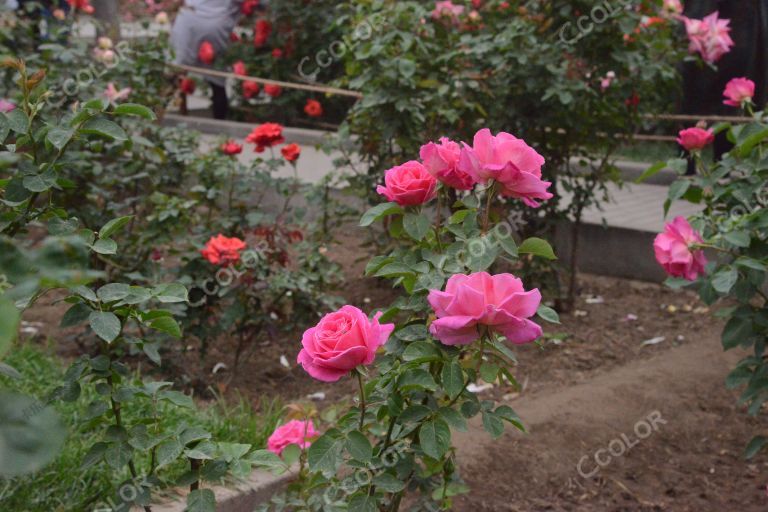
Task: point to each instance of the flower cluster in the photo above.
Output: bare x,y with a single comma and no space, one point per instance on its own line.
268,135
502,159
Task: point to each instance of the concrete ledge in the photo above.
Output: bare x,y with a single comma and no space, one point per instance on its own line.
630,171
241,497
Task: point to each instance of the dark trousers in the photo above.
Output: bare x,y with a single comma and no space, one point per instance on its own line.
220,104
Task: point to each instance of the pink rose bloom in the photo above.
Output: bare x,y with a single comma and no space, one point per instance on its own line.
738,91
114,95
442,160
499,302
447,10
694,139
510,161
709,37
673,7
341,342
409,184
6,106
295,432
673,250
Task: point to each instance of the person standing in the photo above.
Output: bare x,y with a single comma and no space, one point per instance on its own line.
206,24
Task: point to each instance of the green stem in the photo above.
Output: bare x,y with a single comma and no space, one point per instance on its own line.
491,191
362,398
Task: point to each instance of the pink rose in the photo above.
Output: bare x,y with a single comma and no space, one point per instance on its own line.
694,139
709,37
114,95
498,302
738,91
442,160
673,7
409,184
6,106
674,253
341,342
447,10
294,432
510,161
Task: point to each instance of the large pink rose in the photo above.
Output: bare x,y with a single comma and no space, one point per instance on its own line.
442,160
694,139
709,37
409,184
341,342
295,432
499,302
738,91
674,253
509,161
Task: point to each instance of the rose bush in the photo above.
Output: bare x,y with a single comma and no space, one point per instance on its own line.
732,227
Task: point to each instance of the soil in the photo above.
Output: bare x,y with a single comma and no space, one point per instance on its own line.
592,380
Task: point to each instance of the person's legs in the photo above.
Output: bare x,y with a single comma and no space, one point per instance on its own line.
220,105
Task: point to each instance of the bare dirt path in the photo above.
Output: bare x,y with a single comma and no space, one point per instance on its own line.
665,431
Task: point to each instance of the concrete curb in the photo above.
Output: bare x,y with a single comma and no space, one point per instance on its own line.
241,130
241,497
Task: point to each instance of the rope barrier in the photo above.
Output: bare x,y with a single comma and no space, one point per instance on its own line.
267,81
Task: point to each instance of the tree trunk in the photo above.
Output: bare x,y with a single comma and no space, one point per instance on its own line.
107,13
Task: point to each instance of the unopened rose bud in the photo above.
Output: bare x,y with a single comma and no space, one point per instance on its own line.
105,43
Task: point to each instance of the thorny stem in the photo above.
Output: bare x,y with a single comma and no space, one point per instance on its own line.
362,398
491,191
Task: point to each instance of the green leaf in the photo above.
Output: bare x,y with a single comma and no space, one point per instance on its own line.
39,182
177,398
359,447
30,433
738,238
104,246
167,325
548,314
750,142
388,483
417,379
421,352
452,376
755,445
651,171
416,225
59,137
118,454
325,453
18,120
537,247
737,331
201,500
5,128
169,293
266,459
168,451
678,189
493,424
104,128
489,372
10,318
435,438
379,211
106,325
362,502
113,292
113,226
75,315
724,280
133,109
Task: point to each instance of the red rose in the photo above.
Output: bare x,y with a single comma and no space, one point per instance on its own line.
187,85
694,139
231,148
261,32
291,152
221,250
234,38
82,5
206,53
238,68
273,90
250,89
277,53
266,135
248,7
313,108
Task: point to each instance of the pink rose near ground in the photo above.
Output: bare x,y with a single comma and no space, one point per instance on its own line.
738,91
694,139
341,342
300,433
709,37
673,250
221,250
509,161
6,106
498,302
442,161
409,184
